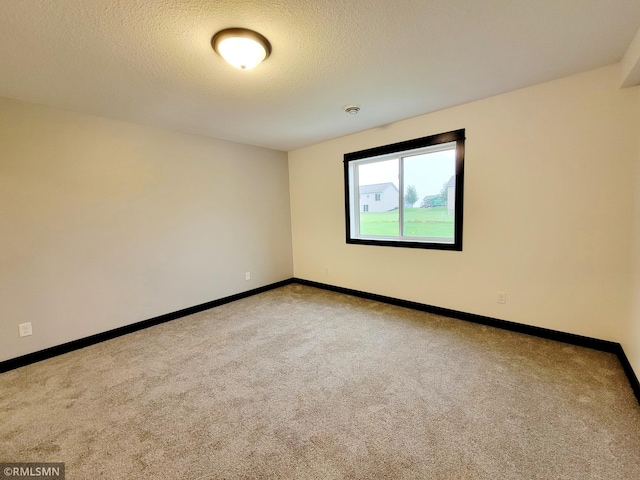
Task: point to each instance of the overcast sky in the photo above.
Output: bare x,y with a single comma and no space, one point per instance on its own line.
427,172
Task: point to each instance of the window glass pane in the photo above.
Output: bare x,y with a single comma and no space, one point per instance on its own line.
379,198
429,195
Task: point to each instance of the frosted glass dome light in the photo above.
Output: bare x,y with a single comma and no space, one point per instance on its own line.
242,48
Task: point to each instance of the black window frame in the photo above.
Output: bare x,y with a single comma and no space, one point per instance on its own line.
457,136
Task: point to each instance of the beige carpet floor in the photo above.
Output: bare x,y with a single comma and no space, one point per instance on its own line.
300,383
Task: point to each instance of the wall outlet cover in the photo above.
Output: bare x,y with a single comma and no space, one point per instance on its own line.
25,329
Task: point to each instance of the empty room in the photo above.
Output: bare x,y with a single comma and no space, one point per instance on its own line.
319,239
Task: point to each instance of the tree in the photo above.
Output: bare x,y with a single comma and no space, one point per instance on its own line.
411,197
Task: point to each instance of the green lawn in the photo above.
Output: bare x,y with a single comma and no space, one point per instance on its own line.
418,222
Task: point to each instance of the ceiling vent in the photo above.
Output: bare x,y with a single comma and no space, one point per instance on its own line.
352,109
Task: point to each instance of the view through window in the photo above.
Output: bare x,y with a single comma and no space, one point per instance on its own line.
407,194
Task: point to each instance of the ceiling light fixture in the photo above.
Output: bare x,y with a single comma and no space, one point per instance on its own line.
242,48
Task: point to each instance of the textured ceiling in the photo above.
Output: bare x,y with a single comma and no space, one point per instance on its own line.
150,61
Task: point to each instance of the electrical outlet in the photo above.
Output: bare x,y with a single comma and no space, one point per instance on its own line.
247,276
502,297
25,329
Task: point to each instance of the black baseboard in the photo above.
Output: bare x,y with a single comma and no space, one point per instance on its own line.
579,340
628,369
570,338
30,358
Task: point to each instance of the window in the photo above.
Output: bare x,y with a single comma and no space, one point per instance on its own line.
418,191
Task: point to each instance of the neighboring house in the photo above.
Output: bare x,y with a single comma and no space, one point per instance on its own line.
451,195
379,197
430,201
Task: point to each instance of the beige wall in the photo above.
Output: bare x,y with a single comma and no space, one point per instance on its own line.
105,223
631,338
547,216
